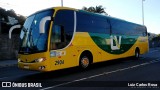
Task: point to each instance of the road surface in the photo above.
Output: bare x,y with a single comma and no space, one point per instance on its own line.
121,74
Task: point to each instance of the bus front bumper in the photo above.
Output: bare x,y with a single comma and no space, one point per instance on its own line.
33,66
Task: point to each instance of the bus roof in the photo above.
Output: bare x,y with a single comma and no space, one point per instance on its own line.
96,14
57,8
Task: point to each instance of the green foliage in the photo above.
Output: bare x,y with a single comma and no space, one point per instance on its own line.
98,9
157,38
5,13
4,20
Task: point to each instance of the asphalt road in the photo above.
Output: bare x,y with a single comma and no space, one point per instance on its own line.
121,74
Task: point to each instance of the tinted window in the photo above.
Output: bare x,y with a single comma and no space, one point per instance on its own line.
121,27
141,30
92,23
31,41
126,28
62,30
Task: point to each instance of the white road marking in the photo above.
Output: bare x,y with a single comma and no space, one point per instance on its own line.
3,78
102,74
153,51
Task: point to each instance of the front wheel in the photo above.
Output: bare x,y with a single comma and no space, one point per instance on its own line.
137,53
84,62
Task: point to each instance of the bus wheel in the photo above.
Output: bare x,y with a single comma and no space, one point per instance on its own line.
137,53
84,62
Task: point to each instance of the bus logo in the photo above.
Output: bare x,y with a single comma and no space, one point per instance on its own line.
115,43
6,84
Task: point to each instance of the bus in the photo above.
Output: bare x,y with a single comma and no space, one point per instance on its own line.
62,37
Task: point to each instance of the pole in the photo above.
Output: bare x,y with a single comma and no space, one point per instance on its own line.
0,23
62,3
143,12
0,26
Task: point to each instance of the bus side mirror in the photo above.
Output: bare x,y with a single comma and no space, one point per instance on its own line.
149,34
42,24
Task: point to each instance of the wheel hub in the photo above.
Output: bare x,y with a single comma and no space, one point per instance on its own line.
85,62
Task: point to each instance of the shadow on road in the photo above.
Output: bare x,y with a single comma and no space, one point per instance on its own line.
41,76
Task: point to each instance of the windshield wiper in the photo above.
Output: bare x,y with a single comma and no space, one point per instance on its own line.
33,47
31,38
25,29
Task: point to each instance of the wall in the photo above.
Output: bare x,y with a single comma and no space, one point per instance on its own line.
9,47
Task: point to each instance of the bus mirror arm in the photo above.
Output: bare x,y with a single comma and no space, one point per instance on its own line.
43,22
12,28
52,18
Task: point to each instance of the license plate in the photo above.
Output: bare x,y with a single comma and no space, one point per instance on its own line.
26,67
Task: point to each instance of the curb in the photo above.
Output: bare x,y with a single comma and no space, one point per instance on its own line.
8,66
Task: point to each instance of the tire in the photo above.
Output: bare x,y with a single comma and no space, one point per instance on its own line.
137,53
84,62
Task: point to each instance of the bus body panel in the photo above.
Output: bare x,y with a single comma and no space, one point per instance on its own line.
103,46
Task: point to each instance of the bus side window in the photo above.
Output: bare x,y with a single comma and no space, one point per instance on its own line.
57,37
144,34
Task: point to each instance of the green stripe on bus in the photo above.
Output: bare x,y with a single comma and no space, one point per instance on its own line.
101,41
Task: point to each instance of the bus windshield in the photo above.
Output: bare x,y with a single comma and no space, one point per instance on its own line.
31,40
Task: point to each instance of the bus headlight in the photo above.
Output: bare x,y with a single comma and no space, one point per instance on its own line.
19,60
40,59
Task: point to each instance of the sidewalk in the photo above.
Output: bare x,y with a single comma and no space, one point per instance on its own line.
7,63
155,48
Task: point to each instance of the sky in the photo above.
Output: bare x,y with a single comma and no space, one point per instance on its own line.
130,10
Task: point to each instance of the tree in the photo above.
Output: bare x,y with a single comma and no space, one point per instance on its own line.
21,19
11,13
98,9
156,38
5,17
